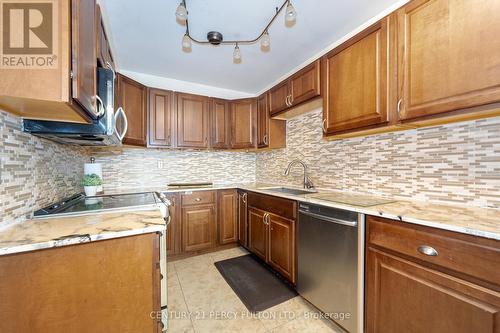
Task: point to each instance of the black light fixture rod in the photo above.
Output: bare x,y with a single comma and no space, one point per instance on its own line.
250,41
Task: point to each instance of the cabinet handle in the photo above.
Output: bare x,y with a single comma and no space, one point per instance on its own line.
291,100
324,125
427,250
399,106
286,100
244,198
265,139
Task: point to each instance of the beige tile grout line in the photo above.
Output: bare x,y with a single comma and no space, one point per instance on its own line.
184,298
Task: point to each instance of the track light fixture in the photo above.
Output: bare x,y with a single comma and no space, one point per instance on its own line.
216,38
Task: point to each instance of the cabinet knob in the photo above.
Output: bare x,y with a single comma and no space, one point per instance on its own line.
197,199
427,250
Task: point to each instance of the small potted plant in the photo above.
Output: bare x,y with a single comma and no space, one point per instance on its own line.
90,184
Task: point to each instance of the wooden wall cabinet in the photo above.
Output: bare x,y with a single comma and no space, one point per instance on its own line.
132,97
355,82
161,118
242,218
455,291
271,133
271,232
243,123
227,216
193,118
108,285
66,91
442,64
104,53
221,123
299,88
198,221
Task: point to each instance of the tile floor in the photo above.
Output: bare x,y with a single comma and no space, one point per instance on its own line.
200,300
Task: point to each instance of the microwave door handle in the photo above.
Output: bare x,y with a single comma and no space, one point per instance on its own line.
125,127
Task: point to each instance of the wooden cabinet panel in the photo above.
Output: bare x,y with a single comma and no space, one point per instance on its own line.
448,56
244,123
160,117
192,121
257,232
271,133
305,84
103,49
221,123
282,246
262,121
174,229
198,228
103,286
132,97
278,98
242,218
198,198
402,296
84,54
355,82
227,216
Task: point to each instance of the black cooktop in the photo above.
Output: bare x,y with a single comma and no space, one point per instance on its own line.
79,203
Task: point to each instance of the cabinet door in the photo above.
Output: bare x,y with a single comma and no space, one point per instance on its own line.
84,54
305,85
103,49
220,123
257,232
242,219
262,121
160,117
402,296
244,123
192,121
449,56
198,228
133,100
278,98
282,246
355,82
227,216
174,228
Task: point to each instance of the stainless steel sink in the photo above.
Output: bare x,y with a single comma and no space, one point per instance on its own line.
288,190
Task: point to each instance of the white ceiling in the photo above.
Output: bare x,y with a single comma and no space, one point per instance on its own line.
146,38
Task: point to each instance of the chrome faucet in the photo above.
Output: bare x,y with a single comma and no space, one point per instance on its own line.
307,182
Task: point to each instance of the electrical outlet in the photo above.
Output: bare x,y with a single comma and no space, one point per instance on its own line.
160,164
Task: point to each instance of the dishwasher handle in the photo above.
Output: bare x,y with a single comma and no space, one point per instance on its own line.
329,219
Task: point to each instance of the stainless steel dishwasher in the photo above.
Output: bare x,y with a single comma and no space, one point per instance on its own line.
330,254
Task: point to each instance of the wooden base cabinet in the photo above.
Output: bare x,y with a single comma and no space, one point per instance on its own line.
408,291
242,218
227,201
104,286
198,228
271,235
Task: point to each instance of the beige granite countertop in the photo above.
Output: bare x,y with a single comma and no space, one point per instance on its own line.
475,221
45,233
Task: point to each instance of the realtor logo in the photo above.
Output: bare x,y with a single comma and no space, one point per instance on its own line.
28,34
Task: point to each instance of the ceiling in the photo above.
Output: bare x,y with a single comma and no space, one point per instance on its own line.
146,38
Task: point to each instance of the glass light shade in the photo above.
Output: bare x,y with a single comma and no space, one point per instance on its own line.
290,13
265,40
181,12
237,53
186,42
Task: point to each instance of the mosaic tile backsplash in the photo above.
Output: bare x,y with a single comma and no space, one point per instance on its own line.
128,168
457,163
33,172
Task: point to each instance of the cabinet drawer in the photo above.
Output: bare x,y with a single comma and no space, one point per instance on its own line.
197,198
279,206
475,257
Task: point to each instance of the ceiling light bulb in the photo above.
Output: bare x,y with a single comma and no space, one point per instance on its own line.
266,40
181,12
290,14
237,53
186,42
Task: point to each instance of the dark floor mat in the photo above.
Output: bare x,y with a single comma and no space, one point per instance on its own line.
255,284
